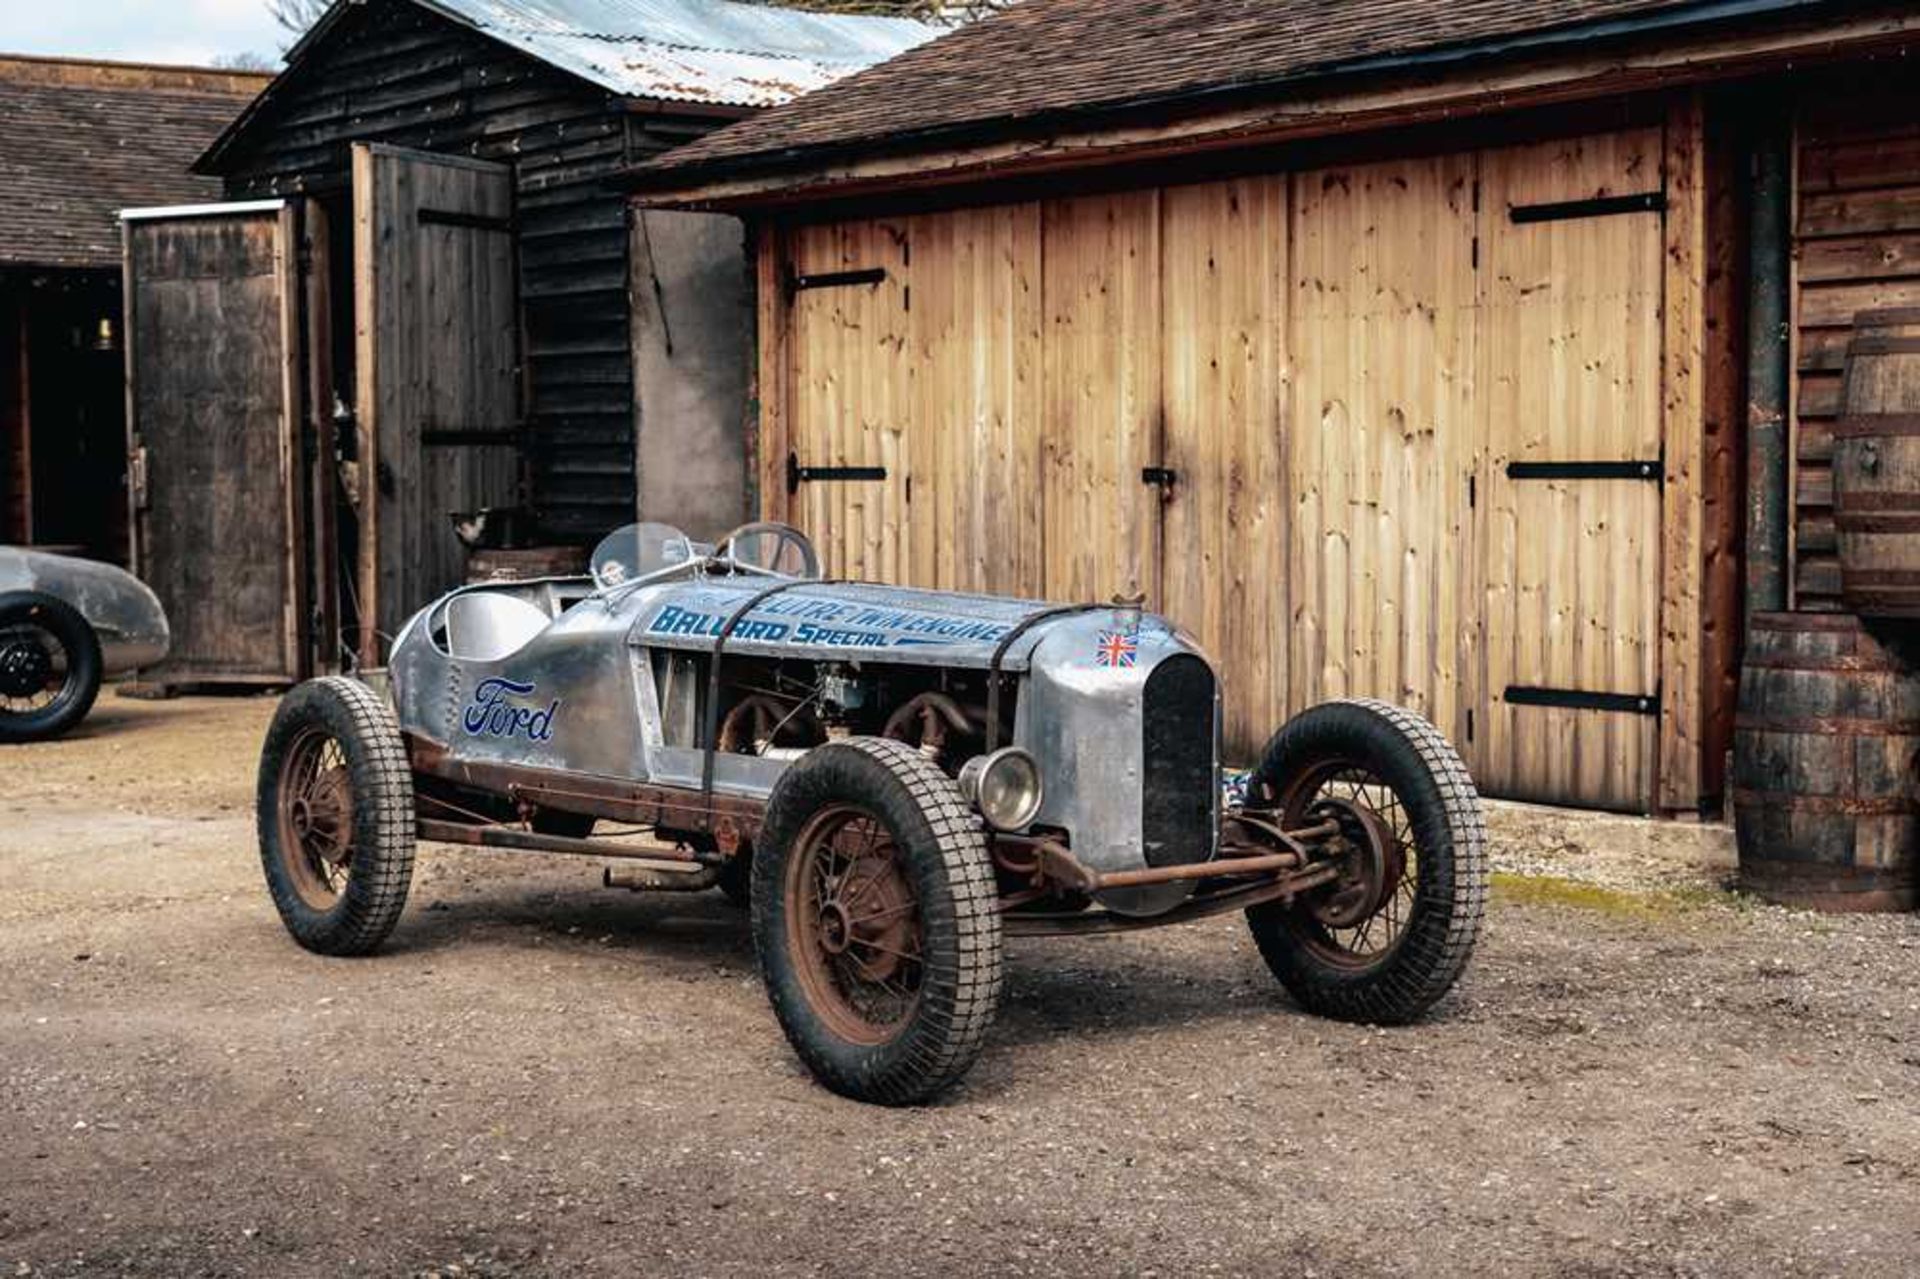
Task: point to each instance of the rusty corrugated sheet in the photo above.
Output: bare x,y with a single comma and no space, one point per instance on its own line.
709,51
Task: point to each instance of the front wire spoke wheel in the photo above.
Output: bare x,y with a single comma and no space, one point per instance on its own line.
1391,933
858,941
1363,915
877,921
316,815
336,815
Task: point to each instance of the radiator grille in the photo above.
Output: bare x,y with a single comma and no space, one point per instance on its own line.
1179,797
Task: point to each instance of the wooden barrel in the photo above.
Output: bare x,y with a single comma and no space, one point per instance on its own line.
526,564
1876,466
1825,748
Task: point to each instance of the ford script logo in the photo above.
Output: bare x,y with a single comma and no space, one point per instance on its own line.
497,711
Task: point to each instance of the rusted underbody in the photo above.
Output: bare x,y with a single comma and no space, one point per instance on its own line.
1046,890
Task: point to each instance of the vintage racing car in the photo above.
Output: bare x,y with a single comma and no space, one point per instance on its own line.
895,779
64,624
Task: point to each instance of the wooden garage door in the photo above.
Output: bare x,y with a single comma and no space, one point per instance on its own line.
212,402
1570,491
438,370
1102,409
847,478
1383,435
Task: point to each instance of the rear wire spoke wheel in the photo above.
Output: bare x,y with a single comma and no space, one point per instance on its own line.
336,817
50,666
876,921
1392,933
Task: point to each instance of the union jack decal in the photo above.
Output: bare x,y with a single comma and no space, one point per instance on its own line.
1117,649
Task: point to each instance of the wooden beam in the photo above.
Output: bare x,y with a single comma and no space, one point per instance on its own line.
366,400
323,500
16,416
1683,361
1723,427
769,444
1656,64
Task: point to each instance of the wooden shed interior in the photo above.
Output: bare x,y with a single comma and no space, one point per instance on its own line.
419,303
1429,385
82,139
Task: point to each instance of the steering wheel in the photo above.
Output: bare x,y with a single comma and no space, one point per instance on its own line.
772,548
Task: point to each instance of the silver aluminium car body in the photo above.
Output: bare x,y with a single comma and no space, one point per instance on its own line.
1119,708
124,613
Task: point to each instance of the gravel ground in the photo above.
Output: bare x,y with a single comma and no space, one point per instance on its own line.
540,1076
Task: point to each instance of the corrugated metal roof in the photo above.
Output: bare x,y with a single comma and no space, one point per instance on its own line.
713,51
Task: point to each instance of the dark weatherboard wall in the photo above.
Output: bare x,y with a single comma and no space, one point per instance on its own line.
392,73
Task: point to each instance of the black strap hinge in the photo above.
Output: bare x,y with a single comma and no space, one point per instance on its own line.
465,221
798,474
1577,700
836,279
1605,206
1652,469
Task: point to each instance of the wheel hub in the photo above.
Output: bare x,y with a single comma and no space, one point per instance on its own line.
1371,864
868,918
26,668
322,815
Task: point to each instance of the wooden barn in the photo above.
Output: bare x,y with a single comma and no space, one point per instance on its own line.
1433,352
82,140
421,299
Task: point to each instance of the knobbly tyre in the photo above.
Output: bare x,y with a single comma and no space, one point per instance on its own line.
895,779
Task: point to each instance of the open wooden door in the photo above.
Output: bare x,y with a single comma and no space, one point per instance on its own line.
213,397
1570,490
439,390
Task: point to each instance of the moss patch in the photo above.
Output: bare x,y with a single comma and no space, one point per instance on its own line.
1665,903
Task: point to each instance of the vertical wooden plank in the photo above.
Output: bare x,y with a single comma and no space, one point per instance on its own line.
1380,435
129,322
292,494
772,397
1019,508
322,520
1723,445
1571,372
367,278
1101,288
1683,343
1225,299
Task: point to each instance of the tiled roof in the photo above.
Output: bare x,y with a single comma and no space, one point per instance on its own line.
1046,60
84,140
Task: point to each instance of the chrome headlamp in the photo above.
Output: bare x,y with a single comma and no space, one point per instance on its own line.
1004,787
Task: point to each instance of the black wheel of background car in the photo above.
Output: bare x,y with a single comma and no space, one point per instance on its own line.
336,816
1387,939
50,666
877,921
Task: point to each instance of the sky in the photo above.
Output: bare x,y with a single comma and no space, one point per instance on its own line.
187,31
